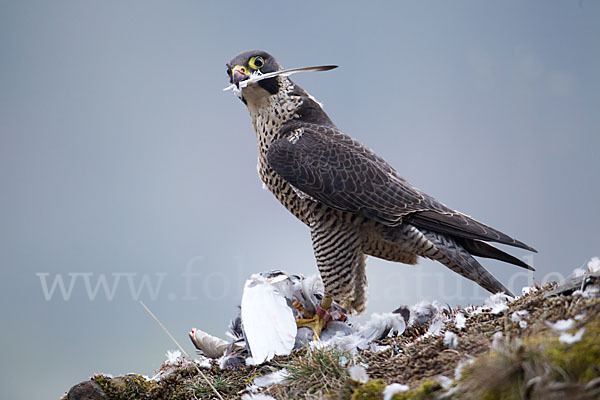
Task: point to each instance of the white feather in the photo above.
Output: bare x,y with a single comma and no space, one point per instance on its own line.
459,320
561,325
517,317
450,340
358,373
257,396
268,322
593,265
257,76
497,303
173,356
568,338
274,378
391,390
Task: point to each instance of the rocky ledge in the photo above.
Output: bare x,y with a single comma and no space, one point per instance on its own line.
542,345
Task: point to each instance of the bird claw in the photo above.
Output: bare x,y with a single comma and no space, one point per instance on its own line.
298,306
323,315
316,323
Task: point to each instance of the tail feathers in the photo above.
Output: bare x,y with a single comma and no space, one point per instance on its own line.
483,249
457,258
457,224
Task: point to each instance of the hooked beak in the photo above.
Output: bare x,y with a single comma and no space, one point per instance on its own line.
238,74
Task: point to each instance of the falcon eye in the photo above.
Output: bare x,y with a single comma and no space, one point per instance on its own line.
256,62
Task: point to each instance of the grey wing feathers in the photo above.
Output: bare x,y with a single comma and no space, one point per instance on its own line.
338,171
460,225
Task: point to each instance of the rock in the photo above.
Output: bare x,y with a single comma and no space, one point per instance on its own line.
88,390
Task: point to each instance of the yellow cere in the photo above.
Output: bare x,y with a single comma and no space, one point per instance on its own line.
240,68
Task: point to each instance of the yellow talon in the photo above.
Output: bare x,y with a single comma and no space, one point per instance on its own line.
315,322
298,306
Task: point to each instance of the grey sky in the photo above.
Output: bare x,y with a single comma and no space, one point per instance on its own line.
119,153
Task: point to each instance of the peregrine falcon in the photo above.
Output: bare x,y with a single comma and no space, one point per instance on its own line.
355,204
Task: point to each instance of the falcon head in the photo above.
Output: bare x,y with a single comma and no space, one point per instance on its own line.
255,75
254,63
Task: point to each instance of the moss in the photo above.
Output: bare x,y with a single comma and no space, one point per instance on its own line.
125,387
429,389
580,360
372,390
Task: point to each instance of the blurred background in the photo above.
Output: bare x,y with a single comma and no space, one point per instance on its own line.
127,174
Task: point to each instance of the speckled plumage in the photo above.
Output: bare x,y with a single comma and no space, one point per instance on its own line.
353,201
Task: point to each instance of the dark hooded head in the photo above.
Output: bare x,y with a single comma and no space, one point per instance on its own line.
240,67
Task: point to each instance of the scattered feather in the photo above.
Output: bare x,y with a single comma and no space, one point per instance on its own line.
450,340
351,339
497,341
497,303
523,324
460,321
594,265
591,292
257,396
203,362
274,378
561,325
444,381
376,348
579,317
527,289
579,272
436,327
568,338
382,325
517,318
459,368
391,390
173,356
358,373
162,374
344,361
422,312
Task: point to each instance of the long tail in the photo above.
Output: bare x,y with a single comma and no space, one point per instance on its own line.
483,249
455,256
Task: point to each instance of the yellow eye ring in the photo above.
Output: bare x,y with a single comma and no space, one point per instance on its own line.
256,62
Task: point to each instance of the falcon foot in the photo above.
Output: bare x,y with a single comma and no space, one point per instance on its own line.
322,316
